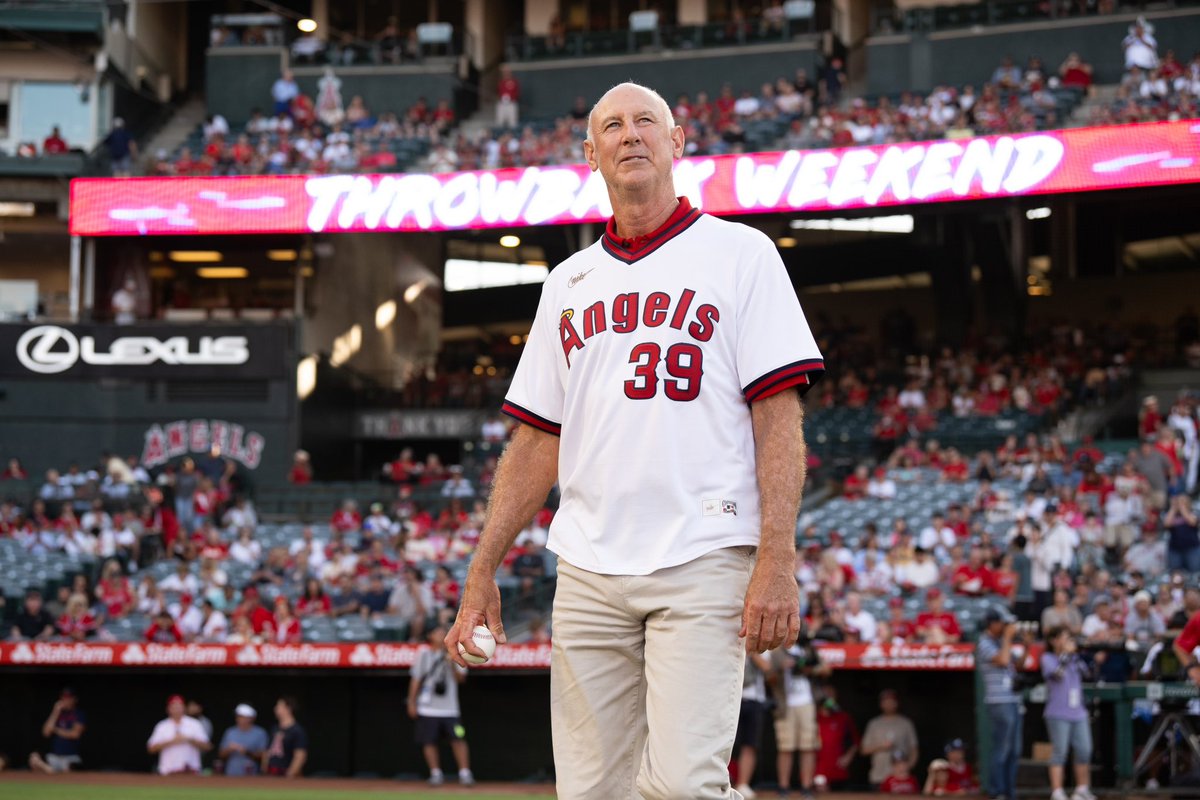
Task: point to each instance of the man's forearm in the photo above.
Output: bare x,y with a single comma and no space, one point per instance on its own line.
526,473
781,465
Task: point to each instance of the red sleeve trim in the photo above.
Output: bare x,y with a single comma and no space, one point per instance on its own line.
529,418
798,374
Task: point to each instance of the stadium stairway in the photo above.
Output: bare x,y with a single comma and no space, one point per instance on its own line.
177,130
1085,112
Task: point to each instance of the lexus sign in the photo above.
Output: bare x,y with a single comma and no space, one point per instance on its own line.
40,351
255,351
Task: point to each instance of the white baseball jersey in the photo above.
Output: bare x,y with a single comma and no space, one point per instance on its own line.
644,358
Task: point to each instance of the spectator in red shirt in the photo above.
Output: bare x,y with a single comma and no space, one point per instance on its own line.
1075,73
901,780
113,591
14,471
262,621
936,625
1149,418
164,630
973,578
314,602
901,628
347,518
1004,578
839,741
956,469
508,98
855,485
1185,648
443,116
54,144
961,778
286,625
301,471
77,622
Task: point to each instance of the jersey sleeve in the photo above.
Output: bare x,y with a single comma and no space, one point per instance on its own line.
775,347
536,395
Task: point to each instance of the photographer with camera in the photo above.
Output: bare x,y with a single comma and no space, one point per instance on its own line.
996,663
433,703
796,712
1066,715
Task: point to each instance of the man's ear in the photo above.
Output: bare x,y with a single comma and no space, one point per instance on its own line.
589,154
677,140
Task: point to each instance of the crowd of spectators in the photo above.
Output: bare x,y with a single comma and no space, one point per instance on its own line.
306,135
1154,87
1111,554
397,559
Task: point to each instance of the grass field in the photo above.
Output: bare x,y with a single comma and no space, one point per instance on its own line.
49,791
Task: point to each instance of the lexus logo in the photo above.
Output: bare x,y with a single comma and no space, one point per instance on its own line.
49,349
35,349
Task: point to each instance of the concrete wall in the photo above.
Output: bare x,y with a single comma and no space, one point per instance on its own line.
901,62
549,87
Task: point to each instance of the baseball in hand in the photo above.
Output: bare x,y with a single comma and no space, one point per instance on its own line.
484,640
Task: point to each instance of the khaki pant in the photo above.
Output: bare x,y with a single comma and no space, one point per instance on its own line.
646,680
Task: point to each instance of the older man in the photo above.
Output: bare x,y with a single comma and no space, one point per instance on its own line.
243,745
178,740
660,388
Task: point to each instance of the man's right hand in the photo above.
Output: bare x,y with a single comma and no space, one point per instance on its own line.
480,606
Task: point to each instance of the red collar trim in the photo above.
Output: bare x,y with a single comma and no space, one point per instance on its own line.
630,250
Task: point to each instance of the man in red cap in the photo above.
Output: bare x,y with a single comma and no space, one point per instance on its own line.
178,740
937,625
261,619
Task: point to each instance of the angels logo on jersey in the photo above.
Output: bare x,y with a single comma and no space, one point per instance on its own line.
626,312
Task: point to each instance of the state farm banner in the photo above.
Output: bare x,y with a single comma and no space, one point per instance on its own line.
1076,160
248,656
929,657
948,657
145,351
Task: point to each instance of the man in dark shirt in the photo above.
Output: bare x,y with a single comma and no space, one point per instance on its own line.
289,743
33,621
122,149
375,599
530,567
64,728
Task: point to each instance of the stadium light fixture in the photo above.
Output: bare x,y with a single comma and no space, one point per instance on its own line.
1037,213
306,377
307,25
17,210
385,315
195,256
509,240
281,255
786,241
227,273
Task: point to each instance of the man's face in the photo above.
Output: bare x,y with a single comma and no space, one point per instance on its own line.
33,603
632,141
888,704
245,723
175,709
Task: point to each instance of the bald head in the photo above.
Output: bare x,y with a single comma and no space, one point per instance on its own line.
630,92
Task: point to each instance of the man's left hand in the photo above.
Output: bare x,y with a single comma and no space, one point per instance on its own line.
771,615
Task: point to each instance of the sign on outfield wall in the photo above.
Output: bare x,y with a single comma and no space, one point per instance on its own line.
1051,162
147,350
418,424
947,657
